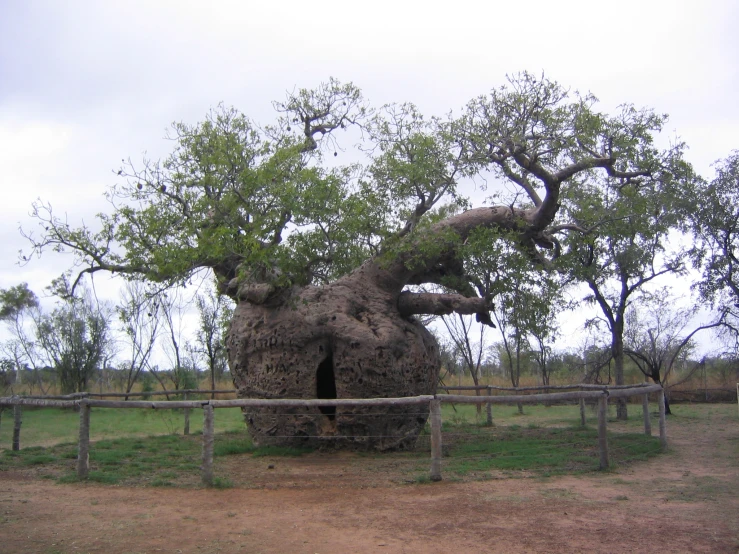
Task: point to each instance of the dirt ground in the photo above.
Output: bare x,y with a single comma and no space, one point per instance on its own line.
686,500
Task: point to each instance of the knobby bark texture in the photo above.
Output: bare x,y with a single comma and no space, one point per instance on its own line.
343,340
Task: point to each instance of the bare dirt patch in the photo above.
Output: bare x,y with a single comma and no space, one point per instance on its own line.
683,501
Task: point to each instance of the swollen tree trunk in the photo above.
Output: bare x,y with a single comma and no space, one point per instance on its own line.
343,340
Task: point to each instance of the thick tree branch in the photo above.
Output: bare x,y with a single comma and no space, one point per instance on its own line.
447,235
567,227
603,303
411,303
591,163
550,181
522,182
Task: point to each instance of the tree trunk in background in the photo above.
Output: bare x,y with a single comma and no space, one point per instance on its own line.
618,359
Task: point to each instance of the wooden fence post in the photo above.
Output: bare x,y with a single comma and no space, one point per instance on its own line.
207,467
582,412
645,409
490,407
186,430
662,420
17,420
435,406
83,447
602,438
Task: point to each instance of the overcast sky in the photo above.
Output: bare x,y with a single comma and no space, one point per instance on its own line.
84,84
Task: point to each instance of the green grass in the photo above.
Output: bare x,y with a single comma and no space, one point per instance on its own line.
158,460
543,441
471,450
131,460
568,415
46,426
546,451
159,482
236,445
39,459
222,483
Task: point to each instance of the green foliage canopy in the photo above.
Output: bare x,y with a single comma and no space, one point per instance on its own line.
715,221
269,204
16,299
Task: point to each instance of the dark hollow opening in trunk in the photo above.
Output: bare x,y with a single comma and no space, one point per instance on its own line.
326,385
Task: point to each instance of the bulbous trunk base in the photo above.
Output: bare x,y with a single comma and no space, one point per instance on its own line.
344,340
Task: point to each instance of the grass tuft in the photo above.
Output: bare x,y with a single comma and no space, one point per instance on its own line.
233,446
222,483
38,459
106,478
162,483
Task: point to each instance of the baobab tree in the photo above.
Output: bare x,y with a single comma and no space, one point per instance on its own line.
322,258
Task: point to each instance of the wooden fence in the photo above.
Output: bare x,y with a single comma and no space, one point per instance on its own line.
82,395
545,389
84,402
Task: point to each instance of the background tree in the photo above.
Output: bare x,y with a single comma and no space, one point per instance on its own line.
543,307
514,351
20,310
658,336
597,358
724,368
524,302
469,341
181,372
214,314
138,314
629,218
7,367
15,300
74,338
450,364
568,363
320,256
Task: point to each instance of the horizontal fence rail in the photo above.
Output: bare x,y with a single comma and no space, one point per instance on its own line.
80,395
519,398
600,393
579,386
